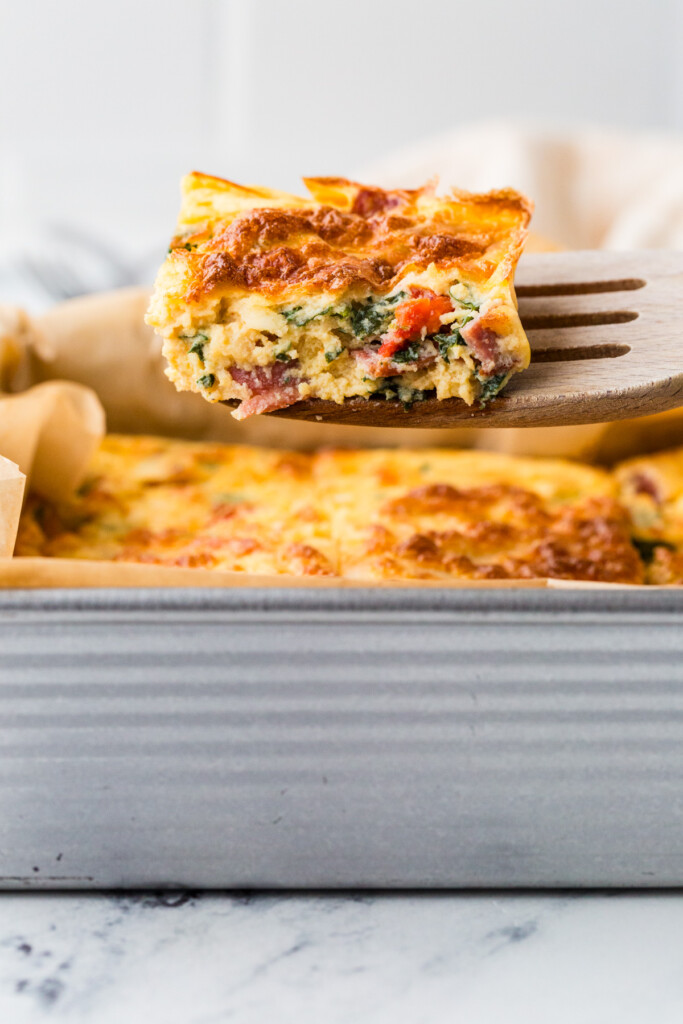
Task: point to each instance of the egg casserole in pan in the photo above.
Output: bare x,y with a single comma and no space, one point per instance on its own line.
376,515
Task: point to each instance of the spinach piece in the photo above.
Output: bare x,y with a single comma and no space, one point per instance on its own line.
409,354
373,317
366,317
408,396
198,349
198,339
207,381
184,245
447,341
292,315
444,343
333,353
295,315
490,386
646,548
384,390
393,387
283,355
462,302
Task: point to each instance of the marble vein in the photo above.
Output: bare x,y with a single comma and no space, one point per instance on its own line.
332,959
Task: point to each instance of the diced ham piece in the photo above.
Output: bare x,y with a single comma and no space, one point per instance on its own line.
272,387
644,484
485,344
376,365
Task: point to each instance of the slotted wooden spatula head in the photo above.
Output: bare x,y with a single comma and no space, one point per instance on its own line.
606,335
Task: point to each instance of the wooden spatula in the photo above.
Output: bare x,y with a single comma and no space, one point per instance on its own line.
606,334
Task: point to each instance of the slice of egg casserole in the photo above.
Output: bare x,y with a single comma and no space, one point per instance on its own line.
267,298
382,514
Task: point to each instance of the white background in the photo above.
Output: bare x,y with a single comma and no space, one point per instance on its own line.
103,106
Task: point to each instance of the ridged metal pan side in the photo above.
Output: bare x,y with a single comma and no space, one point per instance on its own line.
341,738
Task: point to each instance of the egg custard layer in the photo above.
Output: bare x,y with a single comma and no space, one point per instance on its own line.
380,515
267,298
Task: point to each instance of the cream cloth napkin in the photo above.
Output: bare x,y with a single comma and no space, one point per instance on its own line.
593,188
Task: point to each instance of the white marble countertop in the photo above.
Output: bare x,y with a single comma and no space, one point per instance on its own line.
333,959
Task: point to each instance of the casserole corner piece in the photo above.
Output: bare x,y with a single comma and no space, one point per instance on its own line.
267,298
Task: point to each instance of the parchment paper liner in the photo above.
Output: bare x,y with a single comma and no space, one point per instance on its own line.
36,573
48,432
51,432
12,483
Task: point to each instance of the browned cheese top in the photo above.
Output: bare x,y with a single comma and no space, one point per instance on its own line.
403,514
347,237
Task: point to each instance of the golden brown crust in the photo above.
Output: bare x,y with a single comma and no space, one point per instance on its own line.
366,515
499,531
362,238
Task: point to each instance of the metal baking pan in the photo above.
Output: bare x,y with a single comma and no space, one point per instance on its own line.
324,738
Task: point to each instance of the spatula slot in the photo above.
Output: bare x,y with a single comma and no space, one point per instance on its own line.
555,322
563,355
530,291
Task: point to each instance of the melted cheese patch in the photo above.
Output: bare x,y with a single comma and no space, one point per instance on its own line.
428,514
